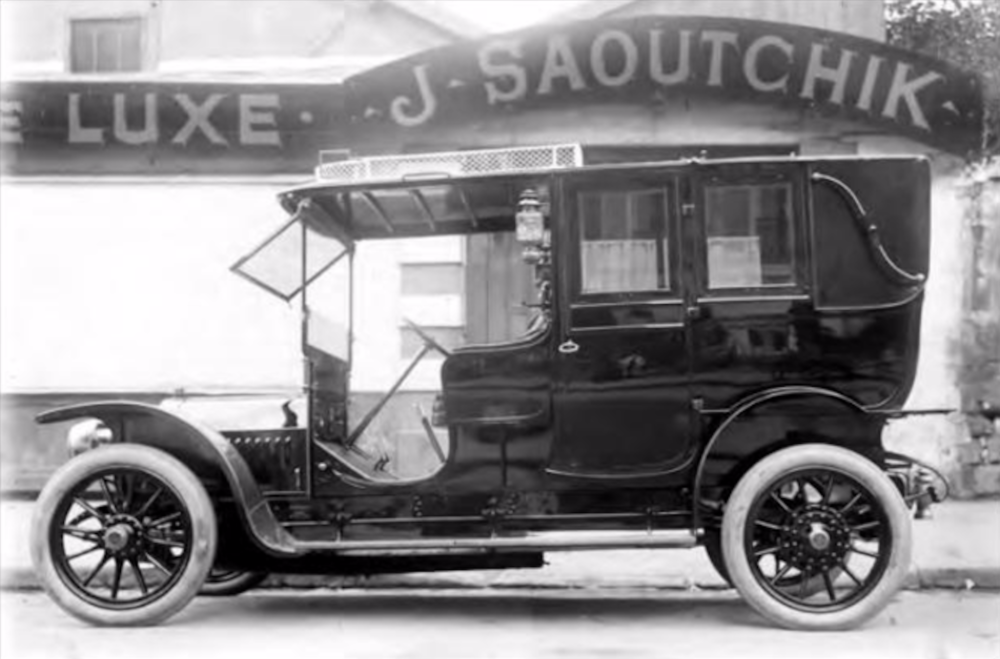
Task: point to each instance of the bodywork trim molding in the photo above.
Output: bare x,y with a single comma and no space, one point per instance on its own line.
870,230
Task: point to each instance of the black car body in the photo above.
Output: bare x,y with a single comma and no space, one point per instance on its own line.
708,333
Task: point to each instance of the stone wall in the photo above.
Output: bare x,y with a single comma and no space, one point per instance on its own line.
960,336
979,371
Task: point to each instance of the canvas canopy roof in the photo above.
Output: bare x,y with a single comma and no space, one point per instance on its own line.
410,209
404,196
425,194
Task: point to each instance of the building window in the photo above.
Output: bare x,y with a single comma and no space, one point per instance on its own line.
432,296
106,45
750,235
624,241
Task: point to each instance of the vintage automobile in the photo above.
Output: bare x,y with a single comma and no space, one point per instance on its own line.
717,348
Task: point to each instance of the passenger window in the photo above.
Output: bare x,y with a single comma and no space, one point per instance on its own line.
623,241
749,230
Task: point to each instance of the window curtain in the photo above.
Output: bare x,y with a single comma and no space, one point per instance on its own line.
618,265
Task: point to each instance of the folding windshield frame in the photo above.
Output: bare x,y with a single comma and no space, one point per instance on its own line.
305,279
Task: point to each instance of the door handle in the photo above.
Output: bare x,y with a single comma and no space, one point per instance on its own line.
568,347
693,312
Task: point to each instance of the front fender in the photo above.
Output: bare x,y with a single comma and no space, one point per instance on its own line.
207,453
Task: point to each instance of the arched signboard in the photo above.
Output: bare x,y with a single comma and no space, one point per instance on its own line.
155,127
653,59
112,127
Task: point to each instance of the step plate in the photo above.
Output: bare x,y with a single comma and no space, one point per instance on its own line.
553,541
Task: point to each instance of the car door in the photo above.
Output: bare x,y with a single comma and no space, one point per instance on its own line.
621,401
752,318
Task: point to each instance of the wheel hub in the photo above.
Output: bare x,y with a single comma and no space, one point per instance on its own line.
117,537
817,539
123,534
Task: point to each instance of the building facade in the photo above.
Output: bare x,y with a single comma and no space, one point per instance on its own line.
127,126
150,138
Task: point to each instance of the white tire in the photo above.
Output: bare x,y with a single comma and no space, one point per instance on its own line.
807,509
155,526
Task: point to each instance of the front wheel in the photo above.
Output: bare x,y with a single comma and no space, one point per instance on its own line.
816,513
123,535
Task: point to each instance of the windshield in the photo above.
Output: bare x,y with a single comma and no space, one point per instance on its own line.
290,259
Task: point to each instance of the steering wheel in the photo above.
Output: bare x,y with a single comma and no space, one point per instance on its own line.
427,337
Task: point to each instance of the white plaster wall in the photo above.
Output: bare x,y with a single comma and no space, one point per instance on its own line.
125,286
933,438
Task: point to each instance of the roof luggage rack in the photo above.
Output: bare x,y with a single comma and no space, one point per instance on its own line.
452,164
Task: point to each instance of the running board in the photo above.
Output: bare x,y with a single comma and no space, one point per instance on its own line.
561,541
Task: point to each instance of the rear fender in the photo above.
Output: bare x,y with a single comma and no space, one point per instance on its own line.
773,419
207,453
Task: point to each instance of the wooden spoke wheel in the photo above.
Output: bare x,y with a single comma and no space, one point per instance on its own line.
713,548
816,515
123,535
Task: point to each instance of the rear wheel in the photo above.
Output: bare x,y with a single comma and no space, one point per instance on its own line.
123,535
224,583
803,513
713,548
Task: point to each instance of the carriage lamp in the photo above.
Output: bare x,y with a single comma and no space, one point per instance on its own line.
88,435
530,219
